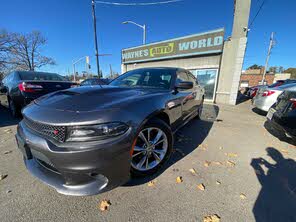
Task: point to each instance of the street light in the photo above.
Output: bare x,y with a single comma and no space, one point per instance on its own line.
74,62
141,26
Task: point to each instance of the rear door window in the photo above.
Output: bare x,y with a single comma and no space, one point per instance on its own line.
40,76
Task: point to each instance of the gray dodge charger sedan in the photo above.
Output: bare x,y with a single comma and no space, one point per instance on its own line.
87,140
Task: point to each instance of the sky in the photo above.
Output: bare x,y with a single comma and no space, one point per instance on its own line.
68,27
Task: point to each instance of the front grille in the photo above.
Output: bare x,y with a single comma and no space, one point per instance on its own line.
56,132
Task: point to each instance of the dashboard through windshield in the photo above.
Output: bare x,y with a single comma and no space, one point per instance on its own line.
152,78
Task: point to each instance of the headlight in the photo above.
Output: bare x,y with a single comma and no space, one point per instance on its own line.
96,132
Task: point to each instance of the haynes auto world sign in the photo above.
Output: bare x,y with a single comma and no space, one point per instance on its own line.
198,44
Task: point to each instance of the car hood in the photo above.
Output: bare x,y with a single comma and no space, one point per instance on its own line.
93,98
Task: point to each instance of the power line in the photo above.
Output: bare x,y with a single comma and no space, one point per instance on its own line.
253,20
138,4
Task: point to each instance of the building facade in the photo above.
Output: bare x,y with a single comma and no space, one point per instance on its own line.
253,77
200,53
217,63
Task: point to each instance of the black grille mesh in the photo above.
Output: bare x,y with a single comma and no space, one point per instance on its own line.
56,132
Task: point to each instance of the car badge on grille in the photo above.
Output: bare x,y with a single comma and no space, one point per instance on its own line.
55,132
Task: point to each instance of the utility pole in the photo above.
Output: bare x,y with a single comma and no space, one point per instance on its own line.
111,72
74,73
271,44
95,36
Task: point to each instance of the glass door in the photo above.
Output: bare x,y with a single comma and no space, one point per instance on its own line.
207,78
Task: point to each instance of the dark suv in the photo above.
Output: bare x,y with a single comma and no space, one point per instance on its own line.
86,140
19,88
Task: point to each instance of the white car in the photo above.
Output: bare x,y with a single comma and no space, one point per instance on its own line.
266,97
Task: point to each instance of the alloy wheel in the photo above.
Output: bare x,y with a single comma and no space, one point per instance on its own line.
150,149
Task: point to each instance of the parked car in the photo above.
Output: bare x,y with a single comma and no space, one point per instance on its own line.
282,116
94,81
86,140
276,84
265,99
19,88
253,90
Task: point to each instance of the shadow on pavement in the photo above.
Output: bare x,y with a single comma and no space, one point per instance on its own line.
6,119
278,134
187,140
277,198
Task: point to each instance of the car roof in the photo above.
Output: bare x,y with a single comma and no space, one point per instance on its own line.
96,79
33,72
286,86
170,68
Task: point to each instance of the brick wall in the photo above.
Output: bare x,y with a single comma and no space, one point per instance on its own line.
254,79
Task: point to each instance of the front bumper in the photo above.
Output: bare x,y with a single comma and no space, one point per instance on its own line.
80,169
262,103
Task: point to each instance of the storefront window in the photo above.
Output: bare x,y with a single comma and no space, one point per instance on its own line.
207,79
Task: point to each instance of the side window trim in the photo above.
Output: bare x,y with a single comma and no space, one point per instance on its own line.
191,76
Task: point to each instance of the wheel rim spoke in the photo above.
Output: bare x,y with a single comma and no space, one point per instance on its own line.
141,152
138,148
158,136
142,161
142,136
156,157
148,131
161,141
147,162
160,152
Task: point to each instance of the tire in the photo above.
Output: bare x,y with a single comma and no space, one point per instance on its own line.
141,150
200,109
14,110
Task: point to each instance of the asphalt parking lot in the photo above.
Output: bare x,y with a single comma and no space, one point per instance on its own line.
247,173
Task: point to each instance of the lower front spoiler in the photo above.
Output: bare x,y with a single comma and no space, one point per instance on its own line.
56,181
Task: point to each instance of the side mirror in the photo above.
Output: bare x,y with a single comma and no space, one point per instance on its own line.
184,85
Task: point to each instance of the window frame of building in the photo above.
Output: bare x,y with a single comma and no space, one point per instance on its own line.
195,71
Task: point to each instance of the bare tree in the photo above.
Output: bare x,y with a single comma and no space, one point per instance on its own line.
26,53
6,43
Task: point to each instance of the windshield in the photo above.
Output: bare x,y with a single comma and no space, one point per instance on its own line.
40,76
278,83
152,78
286,86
